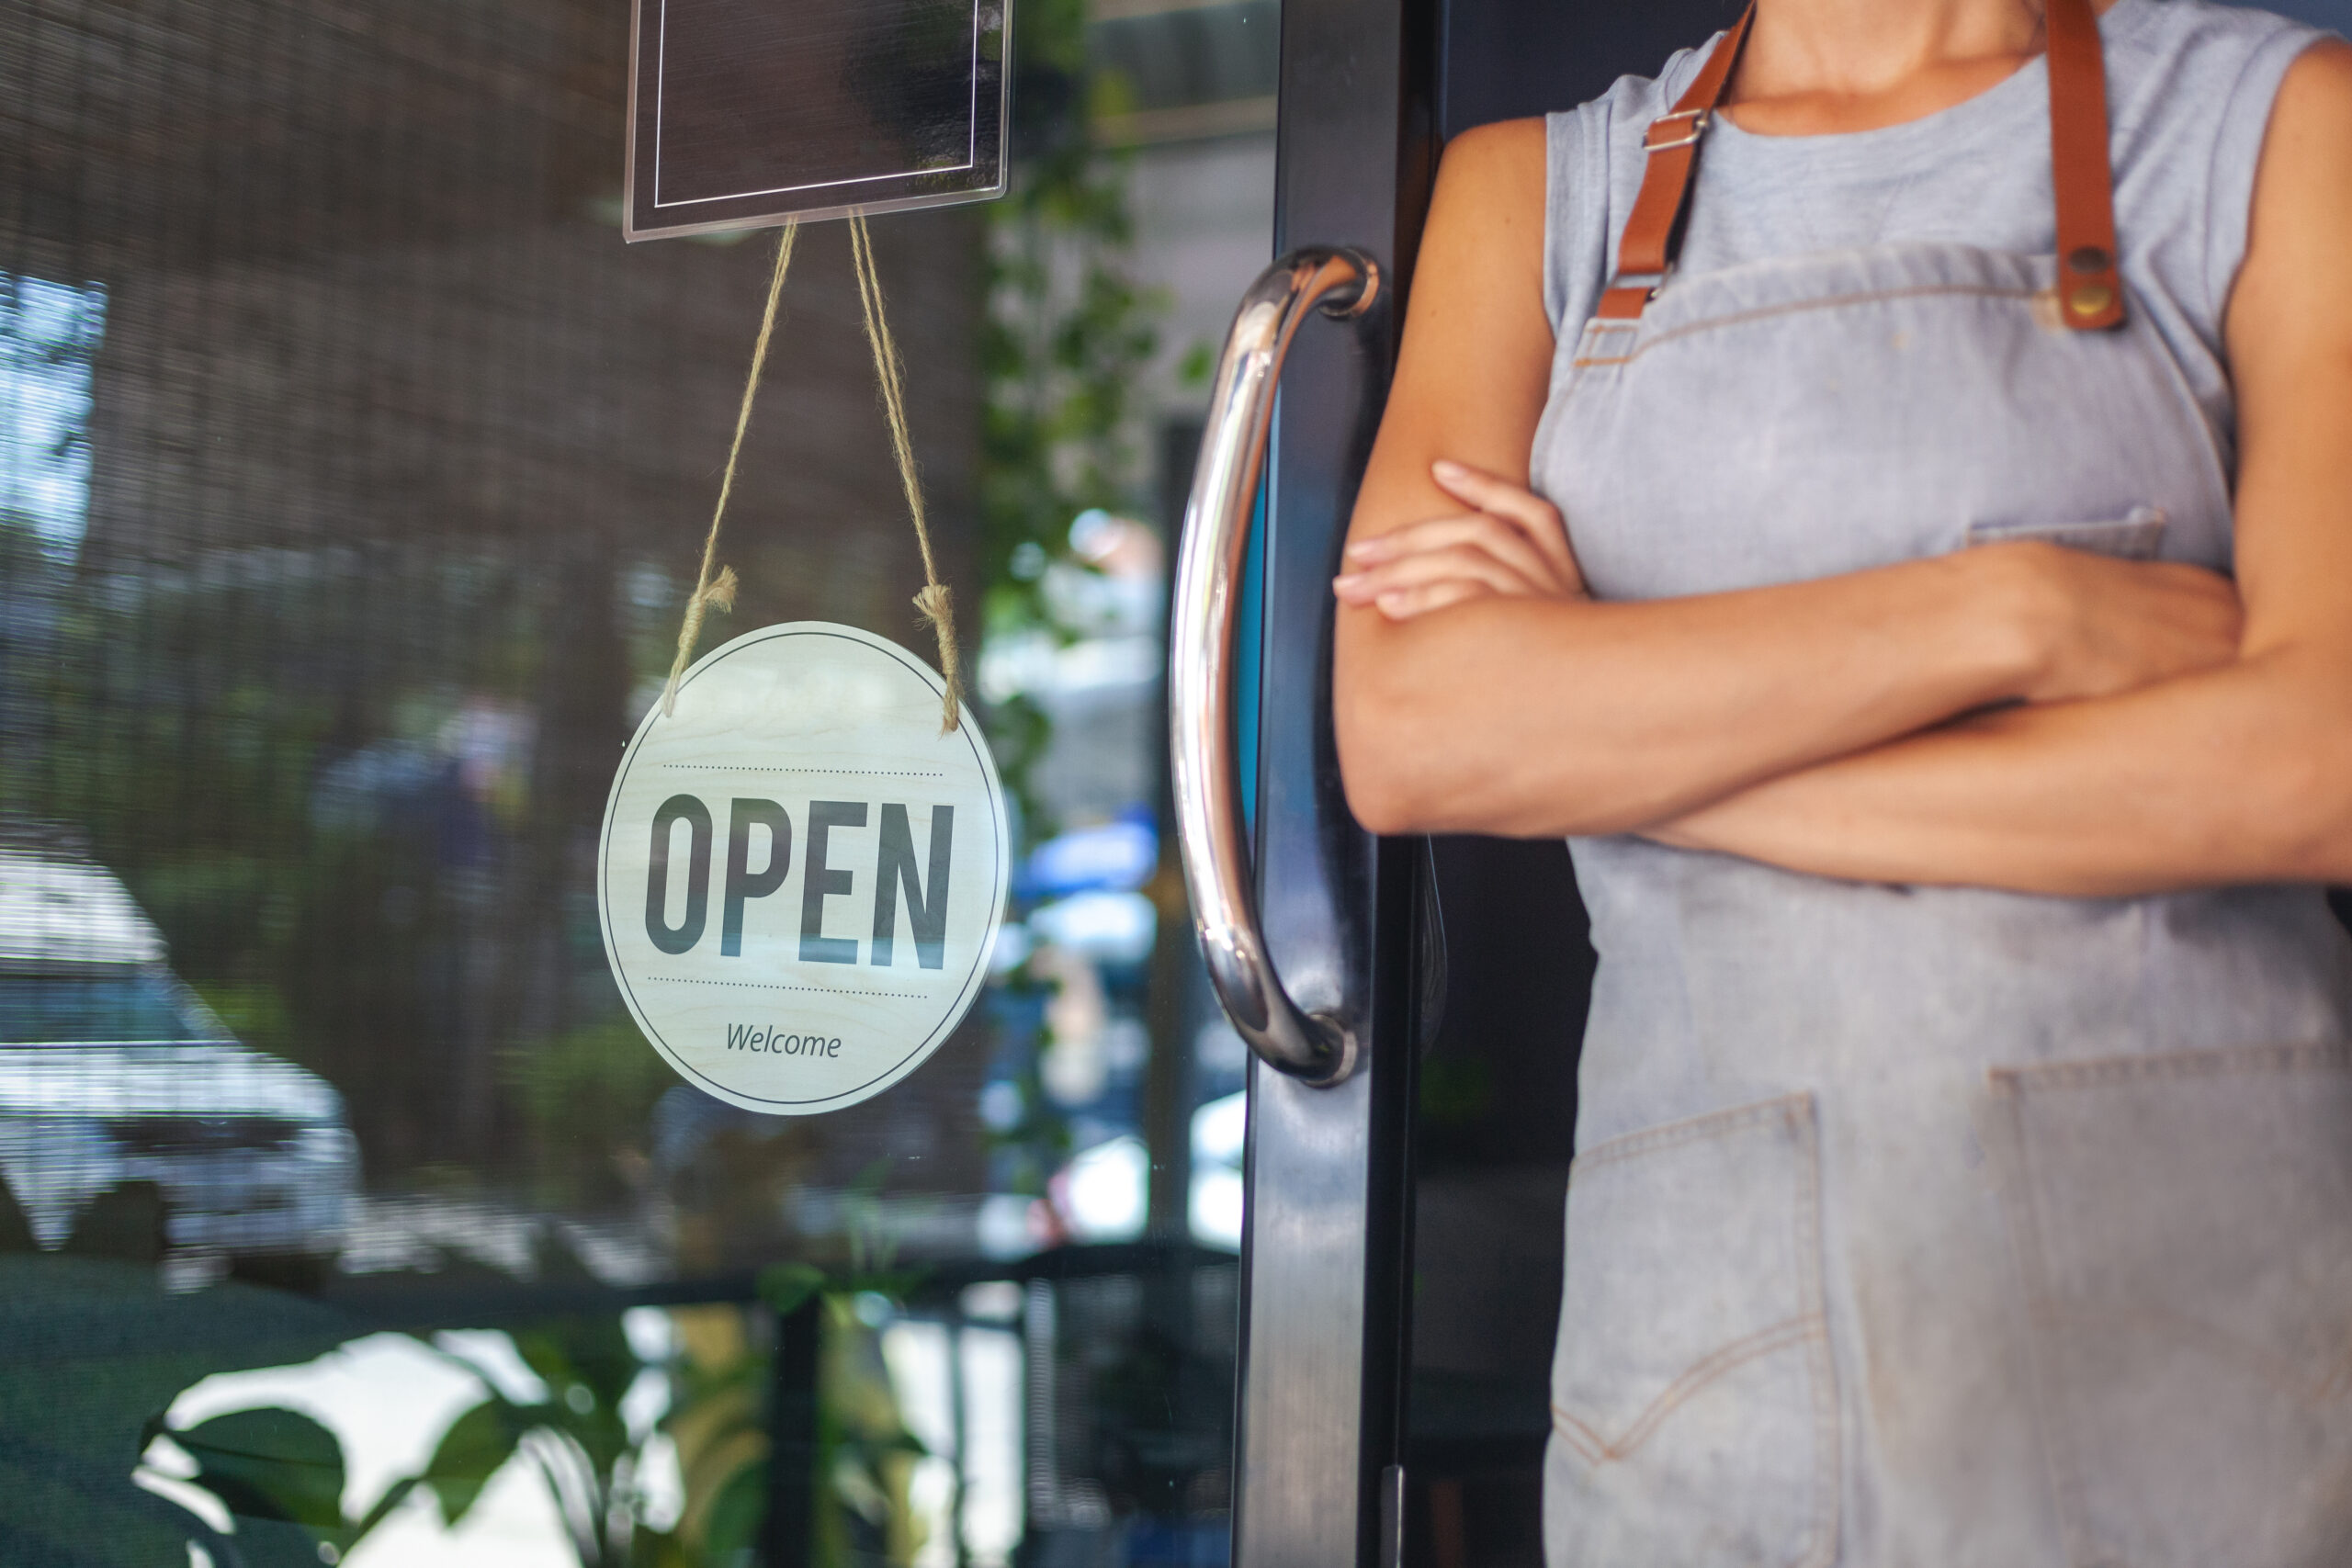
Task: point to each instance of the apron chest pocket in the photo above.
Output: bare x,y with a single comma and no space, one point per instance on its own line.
2138,535
2184,1230
1695,1412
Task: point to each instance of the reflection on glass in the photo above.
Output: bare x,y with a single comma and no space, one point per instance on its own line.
931,1429
351,477
129,1120
49,336
111,1006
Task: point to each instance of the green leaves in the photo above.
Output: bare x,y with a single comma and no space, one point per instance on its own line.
787,1287
270,1464
574,1435
281,1473
284,1471
1066,341
472,1451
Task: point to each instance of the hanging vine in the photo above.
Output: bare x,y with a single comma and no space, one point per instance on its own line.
1067,336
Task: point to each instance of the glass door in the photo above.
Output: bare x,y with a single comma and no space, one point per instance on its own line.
353,474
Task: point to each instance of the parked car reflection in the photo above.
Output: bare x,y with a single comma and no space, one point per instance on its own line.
131,1119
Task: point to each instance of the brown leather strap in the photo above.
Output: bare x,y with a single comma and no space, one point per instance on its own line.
2091,290
1654,229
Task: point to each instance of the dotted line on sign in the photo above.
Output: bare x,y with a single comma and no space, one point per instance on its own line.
852,772
764,985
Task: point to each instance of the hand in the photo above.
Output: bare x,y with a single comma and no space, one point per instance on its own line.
2106,626
1512,542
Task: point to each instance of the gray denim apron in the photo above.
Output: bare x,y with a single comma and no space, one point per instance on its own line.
1917,1225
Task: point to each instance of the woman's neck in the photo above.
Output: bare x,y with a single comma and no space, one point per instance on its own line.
1820,67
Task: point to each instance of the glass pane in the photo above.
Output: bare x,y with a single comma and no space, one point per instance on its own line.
352,478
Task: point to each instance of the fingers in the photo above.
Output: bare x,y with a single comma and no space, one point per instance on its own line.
1461,563
1513,546
1404,604
2194,611
2214,597
2127,624
1477,531
1534,517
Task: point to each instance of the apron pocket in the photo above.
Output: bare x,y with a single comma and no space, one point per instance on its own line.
2138,535
2184,1230
1695,1411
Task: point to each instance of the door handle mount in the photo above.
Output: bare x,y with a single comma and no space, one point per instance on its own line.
1316,1048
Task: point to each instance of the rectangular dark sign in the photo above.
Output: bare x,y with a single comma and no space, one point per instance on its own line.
744,112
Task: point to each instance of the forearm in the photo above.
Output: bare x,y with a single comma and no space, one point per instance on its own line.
1536,718
2238,775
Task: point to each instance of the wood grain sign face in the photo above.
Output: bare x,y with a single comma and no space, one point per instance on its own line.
800,878
742,112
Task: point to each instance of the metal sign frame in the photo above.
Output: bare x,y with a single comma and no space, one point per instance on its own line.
982,177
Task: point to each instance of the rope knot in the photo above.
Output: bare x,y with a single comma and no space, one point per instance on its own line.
716,595
934,600
937,602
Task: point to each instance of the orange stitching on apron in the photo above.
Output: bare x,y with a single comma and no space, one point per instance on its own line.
1794,1116
1587,1442
2107,1070
1690,1129
1762,313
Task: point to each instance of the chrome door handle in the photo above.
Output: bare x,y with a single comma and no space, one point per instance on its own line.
1315,1047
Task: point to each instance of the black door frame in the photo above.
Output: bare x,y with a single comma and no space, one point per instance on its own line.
1327,1261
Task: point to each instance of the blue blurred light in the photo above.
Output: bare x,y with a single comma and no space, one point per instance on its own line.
1109,928
1114,856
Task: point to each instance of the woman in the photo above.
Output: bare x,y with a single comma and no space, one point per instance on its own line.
1945,674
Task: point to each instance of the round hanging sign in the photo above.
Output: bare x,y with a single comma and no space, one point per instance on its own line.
800,878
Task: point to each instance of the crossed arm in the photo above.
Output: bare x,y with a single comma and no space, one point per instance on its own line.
2162,729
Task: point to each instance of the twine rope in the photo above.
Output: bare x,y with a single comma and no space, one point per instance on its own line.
720,593
934,601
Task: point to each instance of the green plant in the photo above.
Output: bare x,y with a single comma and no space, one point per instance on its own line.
282,1470
282,1473
574,1437
1066,334
723,1382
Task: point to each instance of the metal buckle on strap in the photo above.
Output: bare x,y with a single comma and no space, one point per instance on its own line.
1698,119
1627,294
